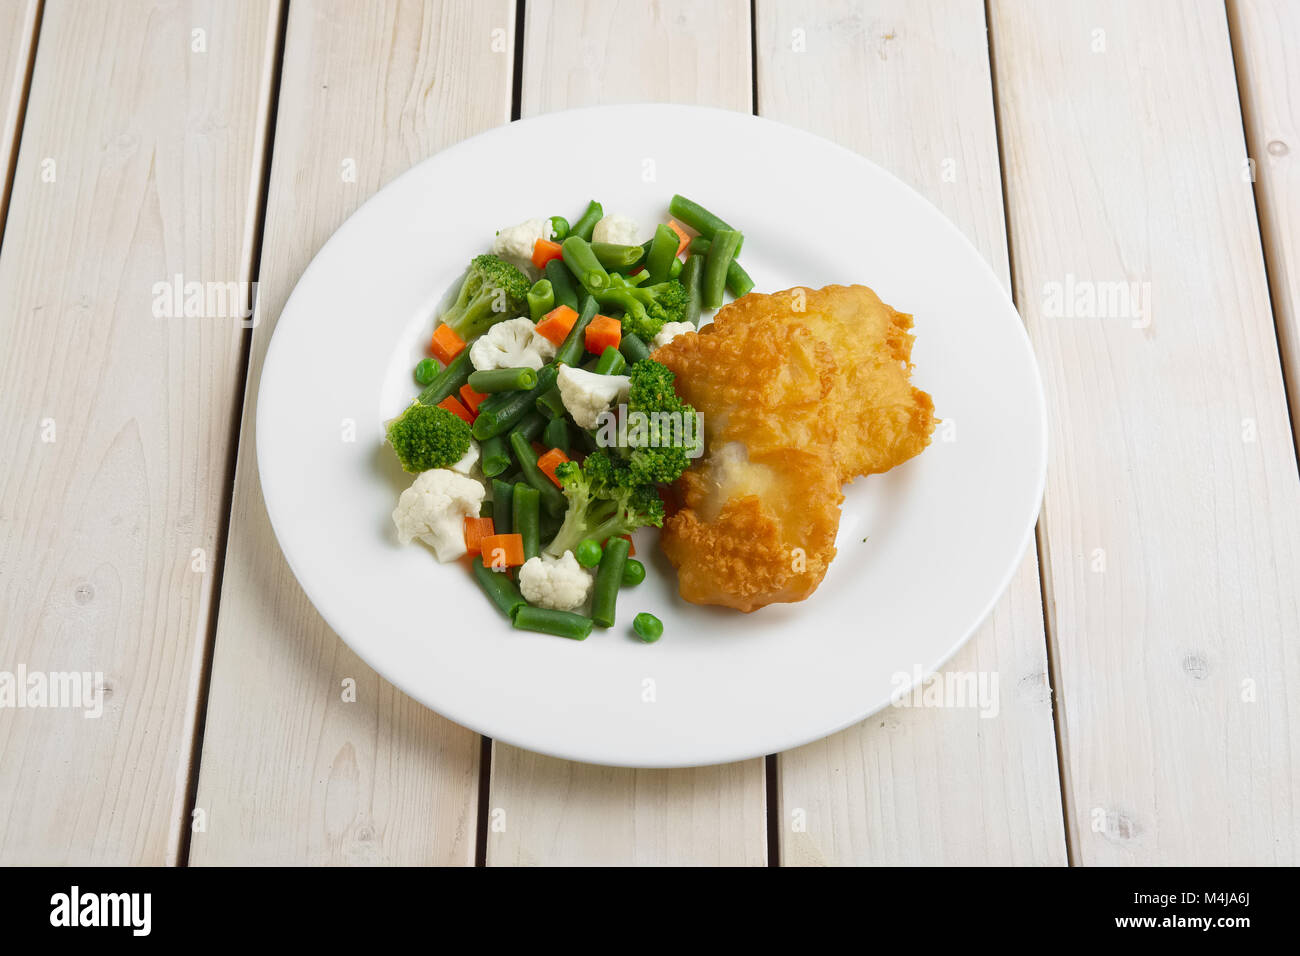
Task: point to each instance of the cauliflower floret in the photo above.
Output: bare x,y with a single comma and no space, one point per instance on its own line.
466,465
558,583
670,331
515,243
586,395
514,343
434,510
619,230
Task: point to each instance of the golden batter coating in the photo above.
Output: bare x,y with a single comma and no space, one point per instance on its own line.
800,391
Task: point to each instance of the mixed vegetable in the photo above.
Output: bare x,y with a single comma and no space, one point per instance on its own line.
544,432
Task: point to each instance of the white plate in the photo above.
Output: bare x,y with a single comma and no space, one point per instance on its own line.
944,532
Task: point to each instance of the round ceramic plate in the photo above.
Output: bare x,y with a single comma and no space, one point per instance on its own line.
924,551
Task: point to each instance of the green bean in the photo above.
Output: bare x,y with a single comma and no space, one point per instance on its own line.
500,589
426,370
697,217
550,524
561,279
502,507
611,362
551,404
448,381
553,499
609,578
738,281
556,434
543,620
663,249
503,380
575,343
485,509
719,256
582,262
495,455
559,228
613,256
692,278
530,426
525,507
633,348
499,413
541,299
587,221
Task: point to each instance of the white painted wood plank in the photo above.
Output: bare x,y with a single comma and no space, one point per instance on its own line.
18,25
908,86
139,161
1172,519
291,773
1266,38
554,812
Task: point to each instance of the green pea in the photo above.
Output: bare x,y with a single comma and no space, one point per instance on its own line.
426,371
559,228
648,627
588,552
633,573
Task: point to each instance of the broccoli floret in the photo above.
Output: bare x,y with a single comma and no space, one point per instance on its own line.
425,436
647,307
660,453
604,502
493,290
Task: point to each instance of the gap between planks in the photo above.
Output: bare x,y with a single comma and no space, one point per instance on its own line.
15,135
252,269
1047,598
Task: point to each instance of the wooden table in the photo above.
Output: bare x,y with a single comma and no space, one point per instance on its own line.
1147,651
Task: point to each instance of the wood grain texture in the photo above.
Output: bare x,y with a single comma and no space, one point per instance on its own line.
1266,41
18,26
1172,520
139,161
920,786
554,812
291,773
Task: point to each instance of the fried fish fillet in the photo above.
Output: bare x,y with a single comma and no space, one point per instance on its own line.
759,514
800,391
881,418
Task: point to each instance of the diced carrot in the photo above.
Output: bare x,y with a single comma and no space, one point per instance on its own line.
683,237
472,398
502,550
557,324
544,251
446,344
457,409
548,462
603,333
476,529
